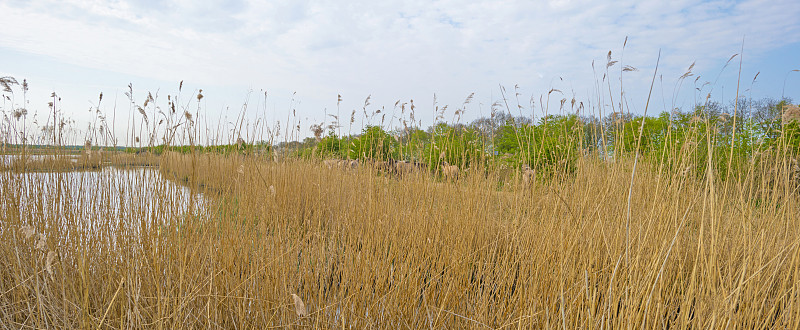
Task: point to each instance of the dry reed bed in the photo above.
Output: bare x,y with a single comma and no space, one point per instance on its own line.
363,250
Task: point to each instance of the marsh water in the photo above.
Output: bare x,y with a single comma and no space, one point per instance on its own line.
104,199
7,159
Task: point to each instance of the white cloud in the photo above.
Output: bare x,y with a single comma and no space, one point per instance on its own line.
395,49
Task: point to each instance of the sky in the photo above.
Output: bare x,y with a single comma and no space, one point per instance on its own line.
284,63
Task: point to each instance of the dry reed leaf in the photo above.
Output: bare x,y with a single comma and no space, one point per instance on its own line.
241,169
272,191
28,231
299,306
51,257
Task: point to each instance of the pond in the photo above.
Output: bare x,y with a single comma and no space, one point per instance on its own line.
131,199
8,159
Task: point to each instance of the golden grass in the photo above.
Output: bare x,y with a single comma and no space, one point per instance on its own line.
298,244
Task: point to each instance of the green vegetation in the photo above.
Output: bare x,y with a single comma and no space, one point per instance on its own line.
708,135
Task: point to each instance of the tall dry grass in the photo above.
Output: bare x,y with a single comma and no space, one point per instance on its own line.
296,243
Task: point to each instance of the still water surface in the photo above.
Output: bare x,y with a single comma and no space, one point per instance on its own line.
134,198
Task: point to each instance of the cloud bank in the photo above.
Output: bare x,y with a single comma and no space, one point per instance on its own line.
397,49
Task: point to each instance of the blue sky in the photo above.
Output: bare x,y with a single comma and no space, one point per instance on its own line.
304,54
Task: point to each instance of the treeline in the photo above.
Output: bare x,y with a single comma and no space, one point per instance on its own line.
730,138
240,148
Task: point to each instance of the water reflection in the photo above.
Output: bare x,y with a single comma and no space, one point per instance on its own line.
7,160
131,199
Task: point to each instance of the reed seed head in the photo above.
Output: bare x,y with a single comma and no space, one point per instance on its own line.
28,231
299,306
48,266
791,113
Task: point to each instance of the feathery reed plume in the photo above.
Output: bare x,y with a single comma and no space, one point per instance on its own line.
48,266
528,175
791,113
143,113
19,113
28,231
7,82
449,172
609,62
688,72
629,68
299,306
318,130
188,117
41,242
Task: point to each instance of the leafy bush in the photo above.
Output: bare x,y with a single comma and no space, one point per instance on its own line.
462,146
549,148
374,143
332,146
